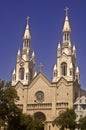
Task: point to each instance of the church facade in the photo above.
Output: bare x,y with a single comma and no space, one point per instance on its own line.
37,95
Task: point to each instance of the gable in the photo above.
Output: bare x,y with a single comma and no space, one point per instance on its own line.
40,79
81,100
40,84
19,85
62,80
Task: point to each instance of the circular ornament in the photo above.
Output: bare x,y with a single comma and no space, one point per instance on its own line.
40,96
21,63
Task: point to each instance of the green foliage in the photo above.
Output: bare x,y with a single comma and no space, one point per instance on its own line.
66,119
9,112
10,115
29,123
82,122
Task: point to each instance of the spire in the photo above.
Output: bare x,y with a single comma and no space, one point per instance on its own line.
55,68
27,31
33,57
33,54
18,56
59,50
27,36
74,50
77,70
66,28
35,74
55,73
59,46
14,72
18,52
77,74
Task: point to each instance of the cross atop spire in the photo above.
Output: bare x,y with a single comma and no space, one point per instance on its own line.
27,19
66,9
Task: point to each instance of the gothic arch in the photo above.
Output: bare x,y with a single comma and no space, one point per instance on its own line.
21,73
64,68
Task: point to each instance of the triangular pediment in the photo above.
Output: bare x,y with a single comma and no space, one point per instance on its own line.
80,100
64,56
19,85
40,76
62,80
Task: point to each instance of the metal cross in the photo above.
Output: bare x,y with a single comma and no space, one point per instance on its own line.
66,9
41,66
27,19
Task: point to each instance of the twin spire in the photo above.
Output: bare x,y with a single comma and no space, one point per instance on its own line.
27,30
66,27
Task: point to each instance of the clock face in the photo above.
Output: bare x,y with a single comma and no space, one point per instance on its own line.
21,63
40,96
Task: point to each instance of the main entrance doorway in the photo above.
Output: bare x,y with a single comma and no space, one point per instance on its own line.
40,116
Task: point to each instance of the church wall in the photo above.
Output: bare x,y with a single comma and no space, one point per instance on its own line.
65,94
40,85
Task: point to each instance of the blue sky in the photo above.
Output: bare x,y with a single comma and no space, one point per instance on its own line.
46,22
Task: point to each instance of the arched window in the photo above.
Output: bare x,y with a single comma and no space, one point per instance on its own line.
65,36
21,73
64,68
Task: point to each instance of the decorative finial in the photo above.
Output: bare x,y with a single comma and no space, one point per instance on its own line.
40,66
27,19
66,9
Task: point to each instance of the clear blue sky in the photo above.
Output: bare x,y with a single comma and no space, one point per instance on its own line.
47,18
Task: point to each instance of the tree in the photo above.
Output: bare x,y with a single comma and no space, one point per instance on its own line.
66,120
82,123
10,114
8,109
29,123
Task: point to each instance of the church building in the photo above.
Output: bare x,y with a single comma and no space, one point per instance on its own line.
37,95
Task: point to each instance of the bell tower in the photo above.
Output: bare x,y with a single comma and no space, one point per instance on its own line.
24,70
66,65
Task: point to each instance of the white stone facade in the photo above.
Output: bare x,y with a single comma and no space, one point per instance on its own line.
37,95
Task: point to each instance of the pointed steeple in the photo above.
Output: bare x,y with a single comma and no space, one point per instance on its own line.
33,57
54,73
77,70
74,51
18,52
55,68
78,74
33,54
18,56
14,75
66,28
59,46
35,74
27,31
13,71
27,36
59,50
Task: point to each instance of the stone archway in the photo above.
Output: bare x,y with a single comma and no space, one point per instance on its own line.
41,116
